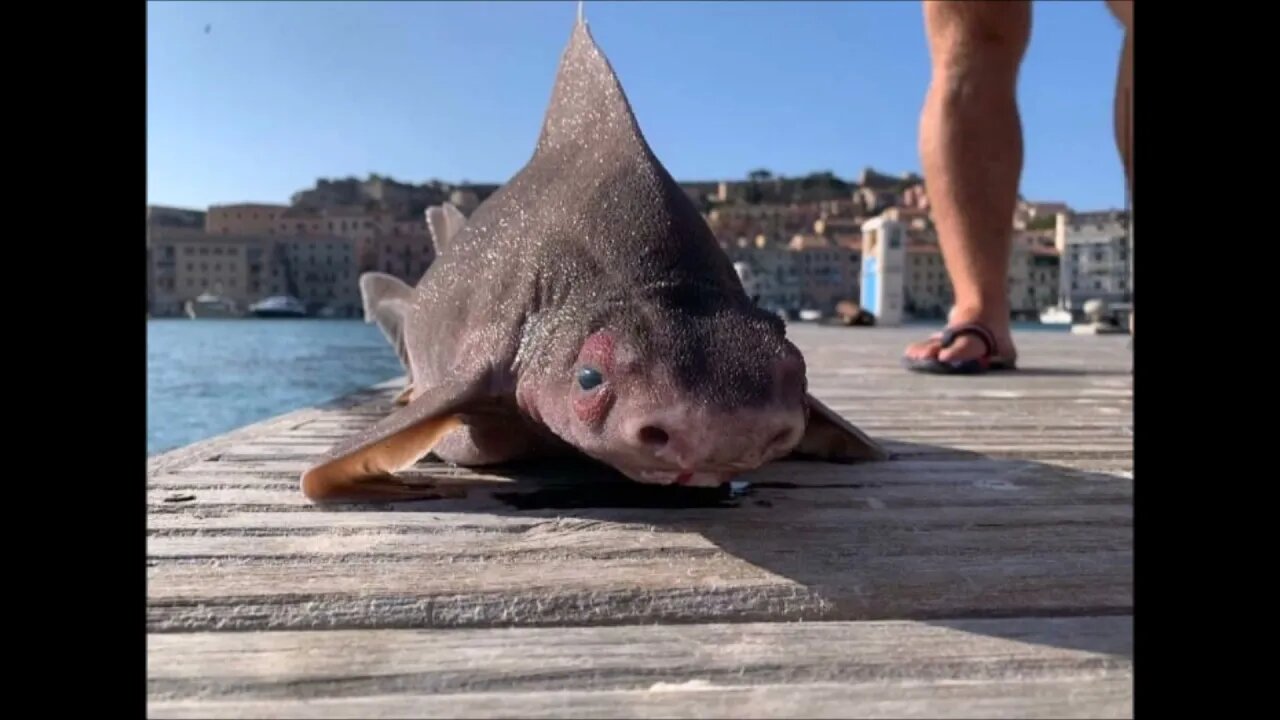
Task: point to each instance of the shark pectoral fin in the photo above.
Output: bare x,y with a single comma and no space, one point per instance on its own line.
405,396
445,221
386,302
363,467
369,474
831,438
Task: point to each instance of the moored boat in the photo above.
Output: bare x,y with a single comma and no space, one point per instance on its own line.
279,306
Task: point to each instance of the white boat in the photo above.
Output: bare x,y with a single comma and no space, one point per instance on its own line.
209,305
1102,320
278,306
1097,329
1056,315
810,315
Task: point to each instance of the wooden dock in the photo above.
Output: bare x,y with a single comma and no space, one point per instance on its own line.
987,571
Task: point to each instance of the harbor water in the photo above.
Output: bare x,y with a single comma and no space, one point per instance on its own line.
208,377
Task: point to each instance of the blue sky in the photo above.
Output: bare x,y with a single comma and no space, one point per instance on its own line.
277,94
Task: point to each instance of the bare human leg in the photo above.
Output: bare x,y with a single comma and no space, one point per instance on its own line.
971,152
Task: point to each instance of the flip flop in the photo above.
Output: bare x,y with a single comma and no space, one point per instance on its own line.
987,362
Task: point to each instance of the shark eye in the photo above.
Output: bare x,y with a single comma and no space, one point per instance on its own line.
589,378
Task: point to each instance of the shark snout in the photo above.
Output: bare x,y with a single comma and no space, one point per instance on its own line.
697,440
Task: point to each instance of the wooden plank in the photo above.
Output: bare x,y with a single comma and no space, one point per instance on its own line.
1018,667
437,523
495,547
1093,697
746,583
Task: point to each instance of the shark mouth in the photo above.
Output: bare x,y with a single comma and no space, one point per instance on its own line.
687,478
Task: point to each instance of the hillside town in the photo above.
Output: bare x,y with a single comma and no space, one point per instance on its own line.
799,240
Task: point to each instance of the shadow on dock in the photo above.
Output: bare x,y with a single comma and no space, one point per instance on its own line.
817,524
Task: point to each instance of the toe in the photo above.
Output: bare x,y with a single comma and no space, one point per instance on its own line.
924,350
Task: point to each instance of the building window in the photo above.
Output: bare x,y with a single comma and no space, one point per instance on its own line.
191,267
204,251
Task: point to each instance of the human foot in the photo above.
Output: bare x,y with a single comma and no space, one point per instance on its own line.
964,347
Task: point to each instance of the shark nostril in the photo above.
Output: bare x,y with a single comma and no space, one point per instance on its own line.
654,437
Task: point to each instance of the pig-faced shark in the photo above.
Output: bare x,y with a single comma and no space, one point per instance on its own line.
584,307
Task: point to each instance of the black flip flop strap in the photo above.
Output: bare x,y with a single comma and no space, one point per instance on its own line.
950,335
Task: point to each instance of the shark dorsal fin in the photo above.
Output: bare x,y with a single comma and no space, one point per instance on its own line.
588,107
445,222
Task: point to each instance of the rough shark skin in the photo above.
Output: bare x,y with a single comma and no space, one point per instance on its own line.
585,307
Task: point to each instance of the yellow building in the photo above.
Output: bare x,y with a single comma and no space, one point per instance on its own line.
828,273
187,263
321,270
928,288
184,264
243,219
